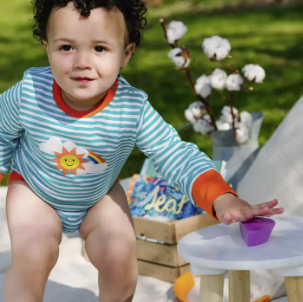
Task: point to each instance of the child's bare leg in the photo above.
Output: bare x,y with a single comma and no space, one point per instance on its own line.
111,246
35,232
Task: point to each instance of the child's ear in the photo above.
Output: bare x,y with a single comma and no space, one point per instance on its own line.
129,50
45,45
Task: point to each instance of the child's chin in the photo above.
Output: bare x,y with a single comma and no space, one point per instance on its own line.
84,95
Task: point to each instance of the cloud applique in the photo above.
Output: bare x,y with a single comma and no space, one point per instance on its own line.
72,158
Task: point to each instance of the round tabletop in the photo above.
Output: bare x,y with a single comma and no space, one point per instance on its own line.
222,247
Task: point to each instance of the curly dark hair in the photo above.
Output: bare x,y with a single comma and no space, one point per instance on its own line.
134,12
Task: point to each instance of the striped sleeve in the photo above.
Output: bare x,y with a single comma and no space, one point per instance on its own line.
180,163
10,127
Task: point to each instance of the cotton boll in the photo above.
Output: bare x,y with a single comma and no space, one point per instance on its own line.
175,31
203,125
218,79
194,111
243,127
226,118
234,82
221,53
216,47
242,135
197,108
226,110
254,73
223,126
246,118
177,57
197,112
189,116
203,87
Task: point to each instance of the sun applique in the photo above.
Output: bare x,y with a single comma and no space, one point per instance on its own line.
69,161
72,158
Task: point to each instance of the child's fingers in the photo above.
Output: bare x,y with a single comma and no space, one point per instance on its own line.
274,202
228,218
276,211
262,210
271,204
245,214
251,212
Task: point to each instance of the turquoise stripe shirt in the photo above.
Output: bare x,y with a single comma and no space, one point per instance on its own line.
72,160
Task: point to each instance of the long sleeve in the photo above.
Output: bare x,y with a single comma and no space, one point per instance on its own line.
10,127
182,164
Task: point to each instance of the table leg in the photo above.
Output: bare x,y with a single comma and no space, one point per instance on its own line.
293,277
239,286
294,289
211,284
211,288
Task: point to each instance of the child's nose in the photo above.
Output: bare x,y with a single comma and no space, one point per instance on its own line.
82,61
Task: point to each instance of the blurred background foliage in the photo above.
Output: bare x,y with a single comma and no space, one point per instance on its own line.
268,33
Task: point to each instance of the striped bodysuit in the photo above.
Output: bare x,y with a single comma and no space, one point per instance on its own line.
71,159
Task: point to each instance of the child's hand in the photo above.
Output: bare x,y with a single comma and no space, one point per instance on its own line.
230,209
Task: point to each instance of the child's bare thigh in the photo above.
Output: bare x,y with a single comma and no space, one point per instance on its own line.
110,215
32,223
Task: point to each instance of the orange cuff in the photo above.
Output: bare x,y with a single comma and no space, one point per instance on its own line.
207,187
1,176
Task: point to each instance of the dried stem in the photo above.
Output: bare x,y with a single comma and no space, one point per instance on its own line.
231,104
247,88
204,101
225,65
222,95
213,122
164,27
164,30
192,85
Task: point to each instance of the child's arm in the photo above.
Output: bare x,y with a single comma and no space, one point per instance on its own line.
182,164
10,127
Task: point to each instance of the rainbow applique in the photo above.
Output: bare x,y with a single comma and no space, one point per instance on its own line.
95,158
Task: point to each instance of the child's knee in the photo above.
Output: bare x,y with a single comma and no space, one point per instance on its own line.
122,253
116,252
35,248
119,264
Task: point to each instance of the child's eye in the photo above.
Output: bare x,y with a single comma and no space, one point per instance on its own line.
66,48
99,48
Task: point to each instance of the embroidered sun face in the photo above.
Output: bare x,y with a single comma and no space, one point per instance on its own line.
69,161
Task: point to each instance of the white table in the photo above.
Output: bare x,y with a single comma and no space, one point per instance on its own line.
214,250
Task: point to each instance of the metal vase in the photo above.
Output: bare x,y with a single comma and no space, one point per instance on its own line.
239,157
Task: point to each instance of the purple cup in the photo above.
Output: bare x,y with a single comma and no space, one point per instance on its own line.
256,231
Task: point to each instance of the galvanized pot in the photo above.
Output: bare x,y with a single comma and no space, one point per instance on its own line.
238,157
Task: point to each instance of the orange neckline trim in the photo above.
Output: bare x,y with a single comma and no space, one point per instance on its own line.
65,108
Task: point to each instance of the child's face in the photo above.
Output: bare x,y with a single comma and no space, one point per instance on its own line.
86,53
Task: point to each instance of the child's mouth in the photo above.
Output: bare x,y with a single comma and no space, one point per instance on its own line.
83,80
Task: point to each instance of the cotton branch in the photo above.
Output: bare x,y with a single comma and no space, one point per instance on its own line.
186,71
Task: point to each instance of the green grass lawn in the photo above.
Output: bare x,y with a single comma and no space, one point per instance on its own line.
272,38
